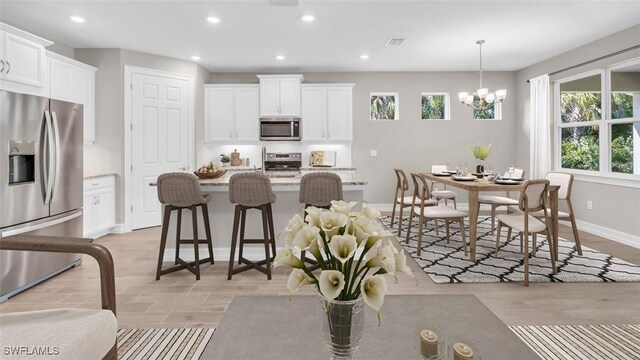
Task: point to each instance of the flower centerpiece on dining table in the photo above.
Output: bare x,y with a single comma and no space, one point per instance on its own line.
353,251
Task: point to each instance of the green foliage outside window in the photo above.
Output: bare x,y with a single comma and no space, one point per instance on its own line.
433,106
622,148
487,112
383,107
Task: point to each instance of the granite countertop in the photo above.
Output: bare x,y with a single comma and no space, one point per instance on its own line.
348,179
95,176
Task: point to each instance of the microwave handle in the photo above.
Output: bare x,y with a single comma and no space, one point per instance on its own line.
292,129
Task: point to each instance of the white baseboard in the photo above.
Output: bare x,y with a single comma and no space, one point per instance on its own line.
251,252
119,229
389,207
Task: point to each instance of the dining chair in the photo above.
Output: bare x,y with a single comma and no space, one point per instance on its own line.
533,198
442,194
565,182
497,201
428,210
402,186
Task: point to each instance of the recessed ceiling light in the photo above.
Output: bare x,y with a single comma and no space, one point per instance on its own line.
364,56
308,18
77,19
213,19
280,57
195,57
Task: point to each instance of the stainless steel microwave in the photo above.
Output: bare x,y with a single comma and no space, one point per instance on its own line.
280,129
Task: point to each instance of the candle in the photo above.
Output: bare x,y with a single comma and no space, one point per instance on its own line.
462,351
428,343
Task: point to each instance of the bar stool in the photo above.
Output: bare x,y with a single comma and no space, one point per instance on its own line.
251,191
319,189
178,191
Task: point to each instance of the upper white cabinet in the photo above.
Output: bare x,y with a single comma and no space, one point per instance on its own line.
74,81
327,112
232,113
22,61
280,95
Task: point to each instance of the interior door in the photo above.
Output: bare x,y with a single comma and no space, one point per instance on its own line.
247,113
159,137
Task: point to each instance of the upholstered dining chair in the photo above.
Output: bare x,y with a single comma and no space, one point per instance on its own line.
443,194
77,333
533,198
399,198
423,206
565,181
497,201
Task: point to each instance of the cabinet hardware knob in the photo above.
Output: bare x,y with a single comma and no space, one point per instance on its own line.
2,70
8,66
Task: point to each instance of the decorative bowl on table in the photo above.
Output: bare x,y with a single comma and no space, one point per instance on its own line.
215,173
464,177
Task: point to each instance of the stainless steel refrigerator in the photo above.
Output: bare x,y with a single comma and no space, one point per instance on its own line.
41,182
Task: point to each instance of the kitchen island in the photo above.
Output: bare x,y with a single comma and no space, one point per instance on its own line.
221,213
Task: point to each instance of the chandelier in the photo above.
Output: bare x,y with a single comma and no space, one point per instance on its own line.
486,98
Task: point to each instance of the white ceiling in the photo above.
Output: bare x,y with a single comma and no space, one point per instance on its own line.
440,35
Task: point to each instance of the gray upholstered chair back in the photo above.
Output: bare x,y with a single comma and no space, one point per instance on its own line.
250,189
565,181
532,197
320,188
180,190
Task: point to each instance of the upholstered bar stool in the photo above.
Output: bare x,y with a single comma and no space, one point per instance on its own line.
179,191
319,189
251,191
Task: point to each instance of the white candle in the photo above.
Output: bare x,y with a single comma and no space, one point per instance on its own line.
462,351
428,343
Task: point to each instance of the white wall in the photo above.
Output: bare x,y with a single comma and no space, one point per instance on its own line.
614,207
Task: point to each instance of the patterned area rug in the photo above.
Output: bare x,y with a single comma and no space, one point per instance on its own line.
445,262
162,343
579,342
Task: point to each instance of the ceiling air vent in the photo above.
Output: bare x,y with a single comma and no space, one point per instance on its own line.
395,42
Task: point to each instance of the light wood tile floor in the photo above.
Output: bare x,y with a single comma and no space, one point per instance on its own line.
178,300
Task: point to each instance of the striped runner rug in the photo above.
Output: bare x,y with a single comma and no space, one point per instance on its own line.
162,343
581,342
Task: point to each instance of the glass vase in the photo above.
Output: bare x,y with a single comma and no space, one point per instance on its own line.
342,326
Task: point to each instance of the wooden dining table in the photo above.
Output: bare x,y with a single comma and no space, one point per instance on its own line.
475,187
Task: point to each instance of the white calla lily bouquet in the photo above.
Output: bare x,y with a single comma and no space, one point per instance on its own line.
353,251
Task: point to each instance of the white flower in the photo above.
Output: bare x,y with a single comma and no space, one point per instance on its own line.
286,257
289,233
331,222
313,215
331,284
342,206
372,241
385,259
369,211
297,279
373,290
401,266
305,237
343,247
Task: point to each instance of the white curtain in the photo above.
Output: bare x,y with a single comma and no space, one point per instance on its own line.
540,127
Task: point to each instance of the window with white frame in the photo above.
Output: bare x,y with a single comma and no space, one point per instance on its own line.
384,106
435,106
597,120
487,112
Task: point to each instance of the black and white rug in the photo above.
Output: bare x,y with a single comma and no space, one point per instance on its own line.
446,263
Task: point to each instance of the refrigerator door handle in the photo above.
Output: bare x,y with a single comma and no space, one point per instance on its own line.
56,133
49,173
39,226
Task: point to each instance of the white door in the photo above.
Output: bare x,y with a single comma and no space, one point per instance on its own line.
247,113
290,97
269,97
159,140
339,113
219,114
26,61
313,113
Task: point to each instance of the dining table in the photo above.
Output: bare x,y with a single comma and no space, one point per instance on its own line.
475,187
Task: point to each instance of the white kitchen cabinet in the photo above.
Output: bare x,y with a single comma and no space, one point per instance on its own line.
327,112
232,113
22,61
73,81
99,208
280,95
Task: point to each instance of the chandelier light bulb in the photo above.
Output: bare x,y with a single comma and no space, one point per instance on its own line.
501,94
462,96
482,93
469,100
490,98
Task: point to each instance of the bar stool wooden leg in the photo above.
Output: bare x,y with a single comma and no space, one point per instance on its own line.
271,231
243,219
163,239
207,230
178,225
194,216
234,241
265,232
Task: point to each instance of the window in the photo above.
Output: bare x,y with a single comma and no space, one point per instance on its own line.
384,106
487,112
435,106
598,121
